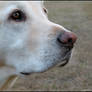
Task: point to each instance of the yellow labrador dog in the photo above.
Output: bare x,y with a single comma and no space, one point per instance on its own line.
29,42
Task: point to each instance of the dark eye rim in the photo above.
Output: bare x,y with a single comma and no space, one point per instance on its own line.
22,15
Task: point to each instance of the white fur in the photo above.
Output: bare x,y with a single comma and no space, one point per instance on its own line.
30,45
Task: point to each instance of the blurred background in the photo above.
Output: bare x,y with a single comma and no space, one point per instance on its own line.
77,75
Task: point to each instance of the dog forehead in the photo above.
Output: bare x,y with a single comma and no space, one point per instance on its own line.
30,7
33,4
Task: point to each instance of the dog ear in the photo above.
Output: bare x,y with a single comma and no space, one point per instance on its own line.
45,10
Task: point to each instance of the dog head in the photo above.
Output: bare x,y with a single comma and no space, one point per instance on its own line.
29,42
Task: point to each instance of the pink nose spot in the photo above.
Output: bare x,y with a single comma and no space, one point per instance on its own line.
67,38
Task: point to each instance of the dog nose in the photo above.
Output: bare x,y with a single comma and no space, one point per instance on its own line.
68,38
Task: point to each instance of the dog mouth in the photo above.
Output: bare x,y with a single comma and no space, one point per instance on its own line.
65,60
25,73
67,56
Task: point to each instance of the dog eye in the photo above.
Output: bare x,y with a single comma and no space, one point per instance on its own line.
45,10
17,15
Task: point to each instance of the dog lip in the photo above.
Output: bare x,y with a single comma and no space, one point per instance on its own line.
63,64
25,73
66,59
69,46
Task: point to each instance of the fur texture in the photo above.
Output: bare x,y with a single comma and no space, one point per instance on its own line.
31,45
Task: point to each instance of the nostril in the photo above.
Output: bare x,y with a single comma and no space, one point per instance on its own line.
67,38
70,40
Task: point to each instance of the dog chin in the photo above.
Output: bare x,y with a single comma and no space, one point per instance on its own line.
64,61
